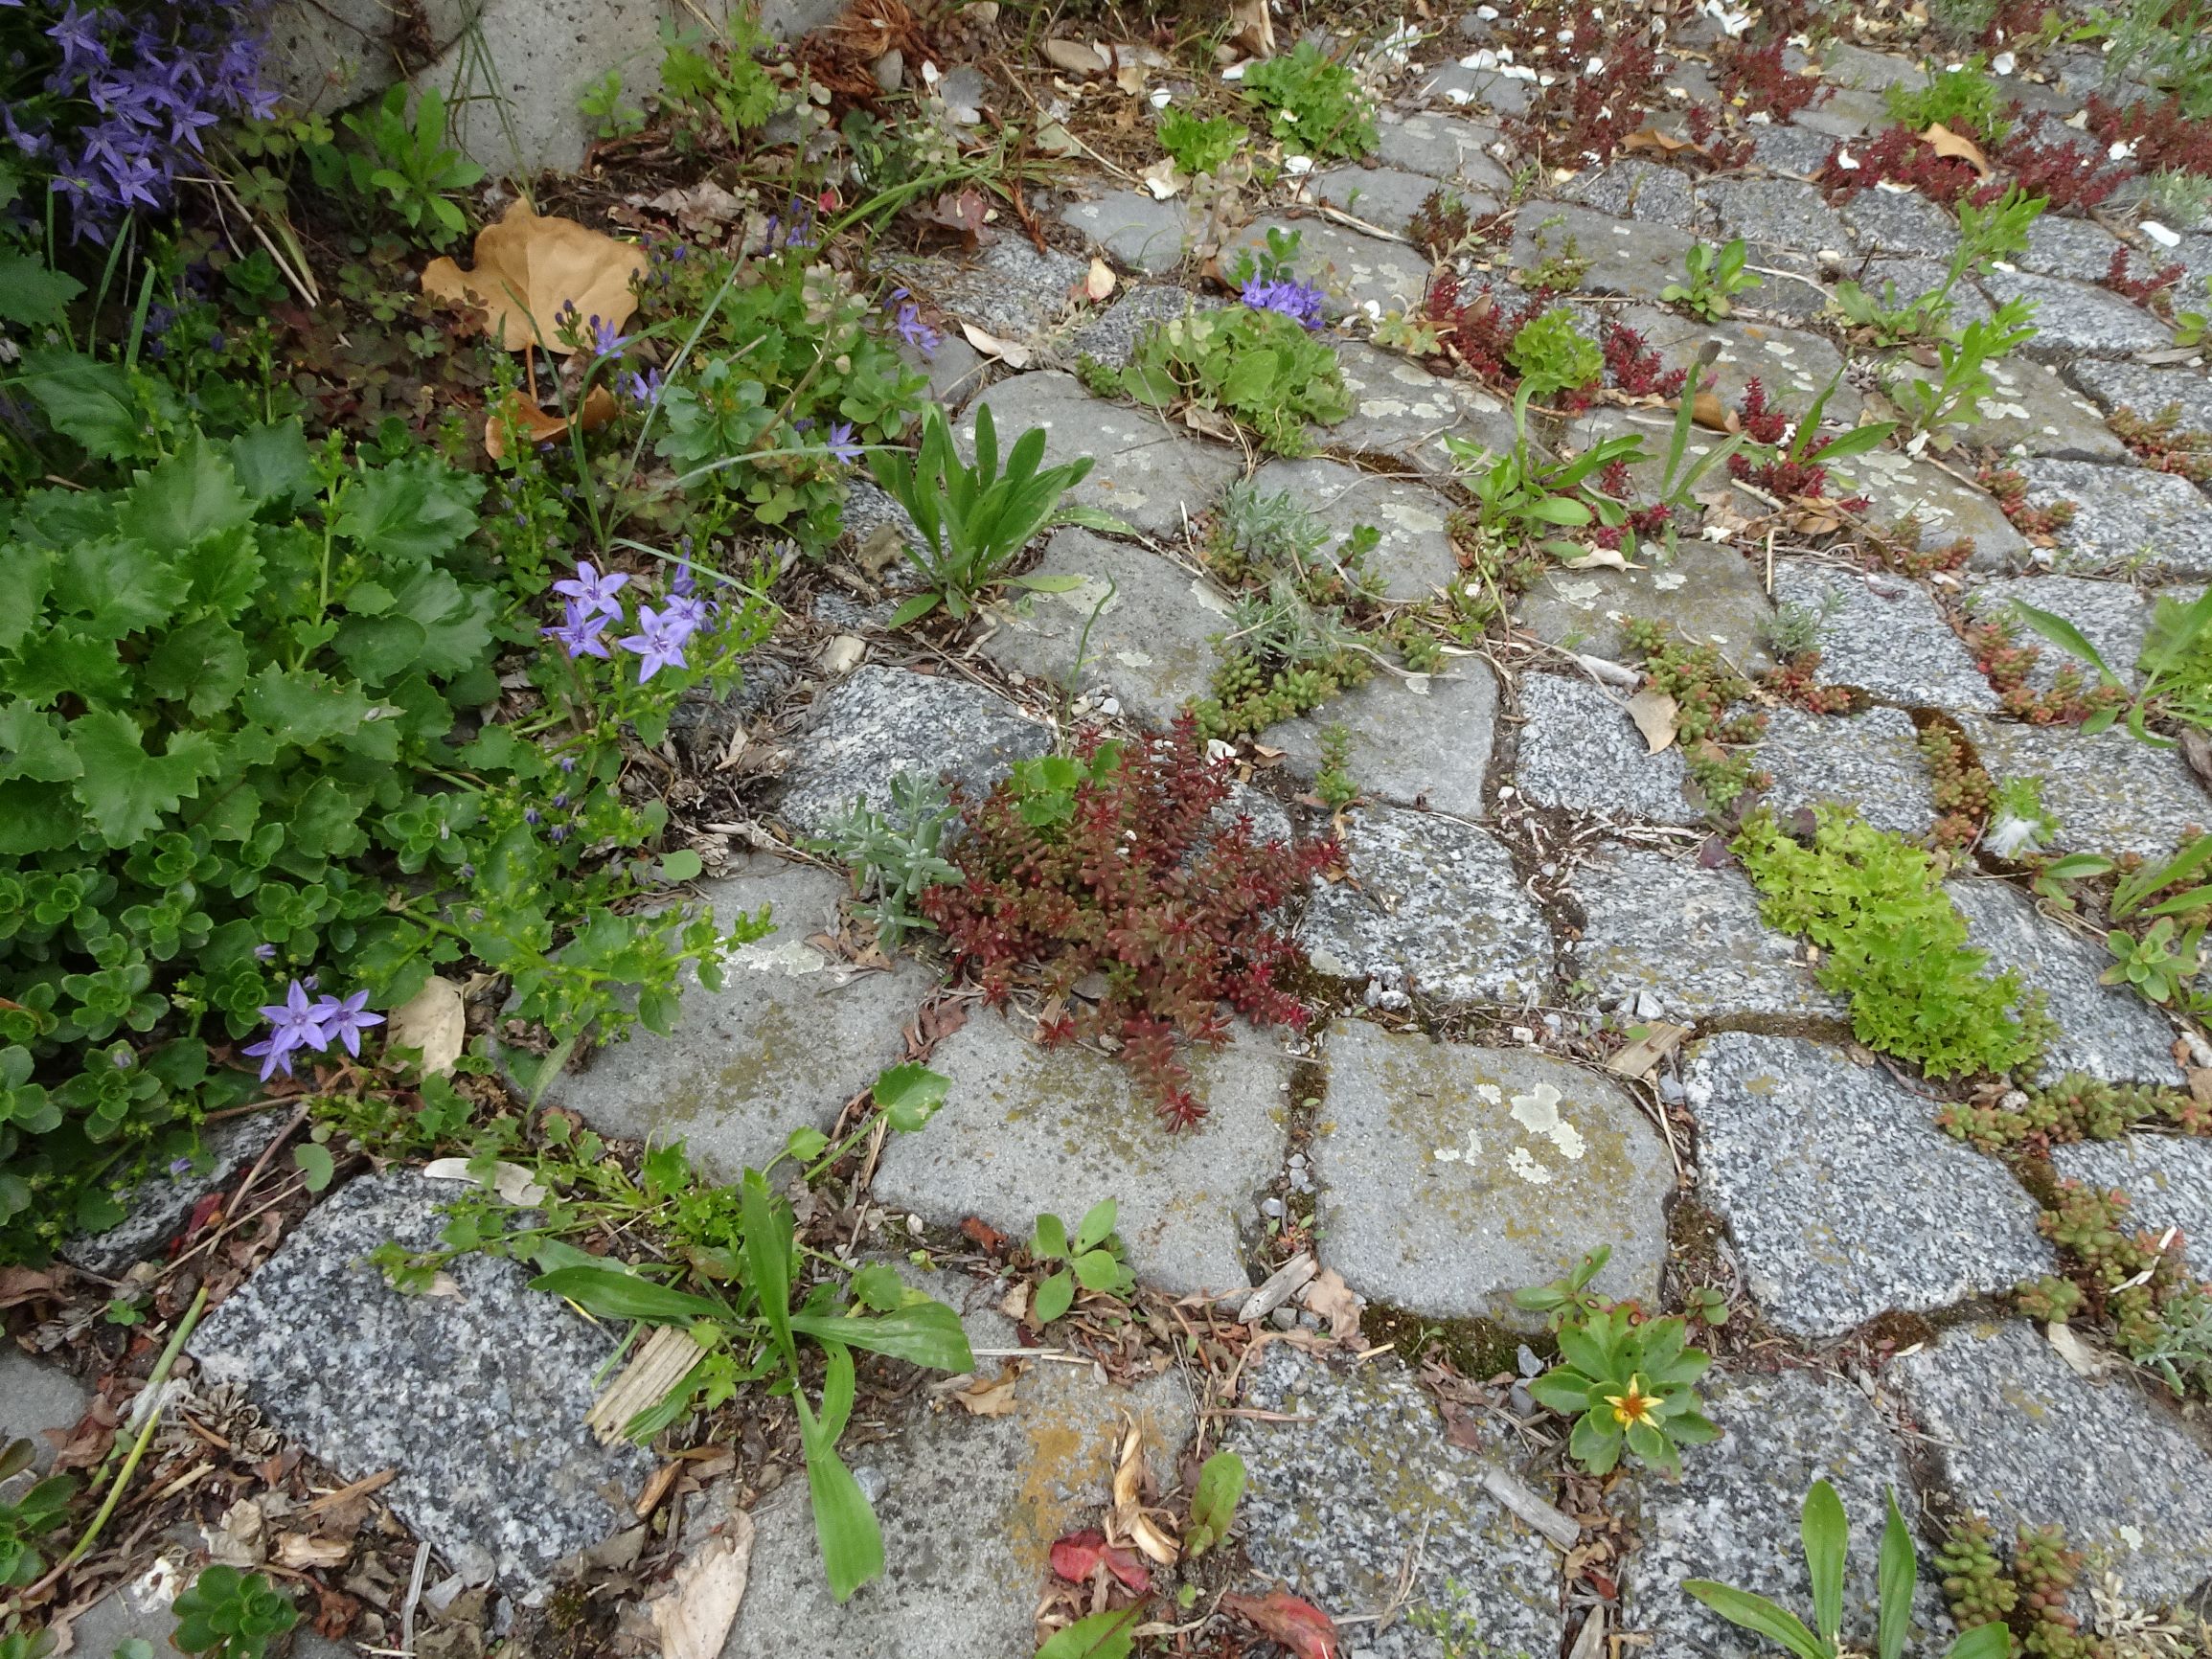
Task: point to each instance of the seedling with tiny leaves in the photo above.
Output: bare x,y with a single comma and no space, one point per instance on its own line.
975,521
1213,1502
1091,1259
1953,395
1826,1538
1716,276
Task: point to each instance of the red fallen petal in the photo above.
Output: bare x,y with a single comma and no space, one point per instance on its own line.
1077,1556
1125,1565
1299,1626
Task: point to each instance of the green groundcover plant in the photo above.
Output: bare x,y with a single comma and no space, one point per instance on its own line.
246,774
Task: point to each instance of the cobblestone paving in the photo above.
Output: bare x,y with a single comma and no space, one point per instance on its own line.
1522,870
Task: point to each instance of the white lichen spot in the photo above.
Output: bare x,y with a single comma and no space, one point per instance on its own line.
1491,1093
1539,1112
1521,1163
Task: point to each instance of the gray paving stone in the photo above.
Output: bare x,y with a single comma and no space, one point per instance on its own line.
792,1035
1148,473
1112,336
1384,197
157,1207
1580,751
131,1610
2148,392
2125,517
328,55
2167,1180
1414,557
1430,906
1425,742
1008,289
2112,615
1151,626
1626,256
1401,409
1844,1197
2073,319
1898,280
1869,762
1139,231
2025,1440
477,1397
1899,487
2028,410
1793,365
1353,270
1445,147
539,55
1631,188
1708,594
1778,216
2109,793
2081,249
1332,1507
1846,113
1451,1178
1884,635
1796,151
1458,85
36,1396
1844,64
956,370
1734,1515
1028,1129
969,1506
878,722
2104,1030
1686,943
1885,222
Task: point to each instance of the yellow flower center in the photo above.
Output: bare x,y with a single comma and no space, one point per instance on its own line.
1634,1406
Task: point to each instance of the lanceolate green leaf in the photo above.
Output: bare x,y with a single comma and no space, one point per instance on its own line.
1894,1575
1826,1538
2065,636
927,1333
1759,1616
614,1293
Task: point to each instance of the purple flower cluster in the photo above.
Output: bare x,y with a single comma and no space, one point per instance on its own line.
296,1024
591,606
1294,299
112,100
906,322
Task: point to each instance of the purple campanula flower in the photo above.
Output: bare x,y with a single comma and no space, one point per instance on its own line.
558,833
686,580
177,1165
907,324
79,35
604,341
533,817
561,800
581,630
345,1018
659,642
642,389
266,951
1294,300
295,1023
568,762
693,611
593,590
841,444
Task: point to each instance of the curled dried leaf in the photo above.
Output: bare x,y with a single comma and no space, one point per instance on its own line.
536,425
529,268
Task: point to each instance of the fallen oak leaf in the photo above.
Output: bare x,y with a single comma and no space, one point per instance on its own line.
991,1397
529,269
1099,284
1708,411
1007,351
1654,713
1956,145
1298,1625
1326,1294
534,425
1078,1555
1663,143
1598,558
694,1619
434,1022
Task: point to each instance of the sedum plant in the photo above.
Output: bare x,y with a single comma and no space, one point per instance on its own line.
1826,1538
230,1615
974,520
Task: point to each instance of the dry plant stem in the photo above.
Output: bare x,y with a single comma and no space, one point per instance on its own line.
154,1380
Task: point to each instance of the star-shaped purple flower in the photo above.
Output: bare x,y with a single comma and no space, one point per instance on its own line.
604,341
841,444
346,1018
295,1023
593,590
659,642
580,631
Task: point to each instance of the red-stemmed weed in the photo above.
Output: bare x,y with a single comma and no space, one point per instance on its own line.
2145,291
1756,74
1633,369
2162,135
1900,155
2041,525
1140,886
1584,116
1477,329
2065,175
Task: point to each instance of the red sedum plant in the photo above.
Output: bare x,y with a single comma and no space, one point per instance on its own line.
1135,879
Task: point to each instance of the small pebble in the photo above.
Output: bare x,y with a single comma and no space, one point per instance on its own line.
1272,1208
1284,1318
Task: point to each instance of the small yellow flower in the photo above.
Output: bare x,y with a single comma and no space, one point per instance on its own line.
1634,1406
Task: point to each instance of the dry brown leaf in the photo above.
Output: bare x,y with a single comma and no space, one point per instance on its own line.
510,1181
1015,1304
700,207
1663,143
1653,713
1074,57
1254,33
1163,180
1326,1294
1945,142
432,1020
1708,411
1210,421
536,425
2201,1085
299,1549
694,1619
1598,558
1099,285
1130,1520
1013,355
532,268
991,1397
